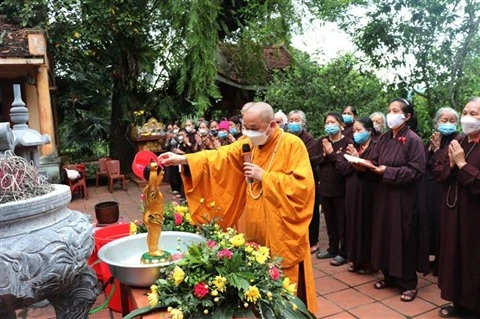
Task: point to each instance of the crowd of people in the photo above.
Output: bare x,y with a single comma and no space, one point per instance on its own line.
394,204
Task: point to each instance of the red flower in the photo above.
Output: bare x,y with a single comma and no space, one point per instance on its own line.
142,197
211,244
200,290
274,273
224,253
402,139
178,219
177,256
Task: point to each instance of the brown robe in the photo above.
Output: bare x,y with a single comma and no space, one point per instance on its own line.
359,200
399,230
459,269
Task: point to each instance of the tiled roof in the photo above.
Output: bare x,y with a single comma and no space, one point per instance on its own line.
13,40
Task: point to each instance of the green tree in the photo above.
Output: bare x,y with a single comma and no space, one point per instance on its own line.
316,90
435,37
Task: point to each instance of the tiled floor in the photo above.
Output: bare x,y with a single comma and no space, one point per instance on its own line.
341,294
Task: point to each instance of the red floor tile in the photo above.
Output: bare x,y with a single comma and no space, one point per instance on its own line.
431,293
413,308
326,308
353,279
377,294
375,310
342,315
348,299
328,284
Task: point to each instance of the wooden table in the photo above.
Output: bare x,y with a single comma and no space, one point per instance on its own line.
135,298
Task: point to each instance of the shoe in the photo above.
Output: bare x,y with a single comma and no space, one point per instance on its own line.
365,271
324,255
451,311
338,261
353,269
314,249
408,295
381,284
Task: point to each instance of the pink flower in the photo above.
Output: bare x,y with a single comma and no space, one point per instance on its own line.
142,197
174,203
211,244
252,244
402,139
178,219
177,256
225,253
274,273
200,290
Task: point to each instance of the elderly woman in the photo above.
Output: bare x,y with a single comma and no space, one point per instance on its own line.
296,126
459,167
379,123
281,119
445,123
399,238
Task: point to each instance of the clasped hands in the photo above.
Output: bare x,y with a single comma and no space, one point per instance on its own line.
250,170
456,154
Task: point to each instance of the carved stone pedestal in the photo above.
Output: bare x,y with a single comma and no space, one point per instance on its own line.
44,247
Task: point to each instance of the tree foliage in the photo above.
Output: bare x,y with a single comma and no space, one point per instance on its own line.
433,40
317,90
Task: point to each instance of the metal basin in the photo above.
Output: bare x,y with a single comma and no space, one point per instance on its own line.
123,256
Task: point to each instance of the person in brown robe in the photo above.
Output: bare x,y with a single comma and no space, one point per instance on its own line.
359,199
459,267
379,123
332,188
446,120
349,114
296,125
399,234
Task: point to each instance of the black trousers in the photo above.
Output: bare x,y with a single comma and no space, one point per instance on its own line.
314,227
408,282
334,210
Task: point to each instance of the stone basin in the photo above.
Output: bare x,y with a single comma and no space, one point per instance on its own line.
123,256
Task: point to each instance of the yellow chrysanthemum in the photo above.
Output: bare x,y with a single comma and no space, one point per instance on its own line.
259,257
264,251
189,219
252,294
214,292
290,288
220,282
178,275
133,228
152,298
237,240
176,314
249,249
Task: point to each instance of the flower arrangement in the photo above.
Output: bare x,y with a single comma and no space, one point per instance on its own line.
227,277
176,218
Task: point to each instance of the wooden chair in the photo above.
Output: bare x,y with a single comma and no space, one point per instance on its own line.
78,184
102,169
113,169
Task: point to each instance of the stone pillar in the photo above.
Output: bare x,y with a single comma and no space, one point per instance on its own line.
45,111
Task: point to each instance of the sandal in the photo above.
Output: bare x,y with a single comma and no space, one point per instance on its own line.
381,284
338,261
450,311
365,271
408,295
314,249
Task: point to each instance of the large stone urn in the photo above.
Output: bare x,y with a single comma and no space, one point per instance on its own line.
44,247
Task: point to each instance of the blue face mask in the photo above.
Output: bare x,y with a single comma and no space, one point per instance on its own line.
361,137
294,127
348,119
447,128
233,131
331,129
222,134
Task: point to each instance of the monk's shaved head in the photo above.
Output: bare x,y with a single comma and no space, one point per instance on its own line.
261,109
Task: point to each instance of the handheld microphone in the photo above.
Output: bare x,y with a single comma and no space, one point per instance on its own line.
247,157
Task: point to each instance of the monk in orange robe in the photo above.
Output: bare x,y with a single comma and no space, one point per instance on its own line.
277,204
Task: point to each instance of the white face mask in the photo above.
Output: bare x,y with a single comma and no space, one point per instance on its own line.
189,129
203,131
378,127
470,124
175,131
257,138
395,120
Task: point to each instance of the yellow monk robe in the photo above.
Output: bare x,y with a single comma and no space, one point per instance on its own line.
277,210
